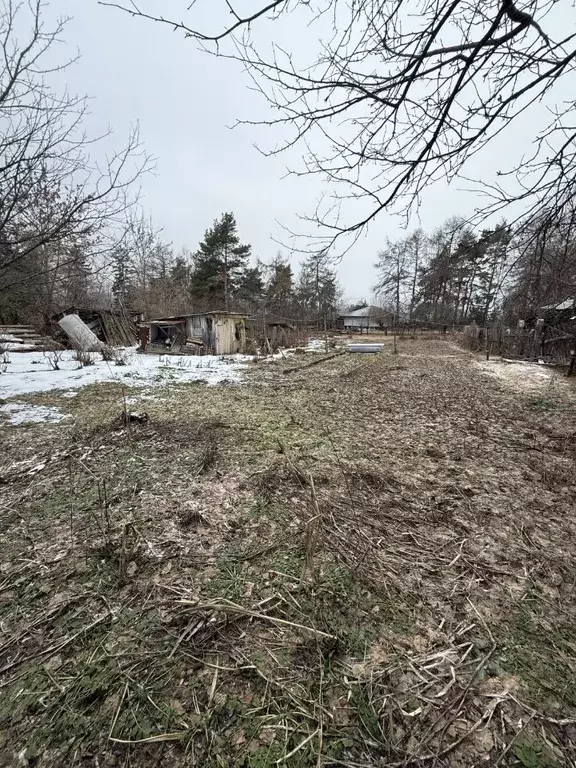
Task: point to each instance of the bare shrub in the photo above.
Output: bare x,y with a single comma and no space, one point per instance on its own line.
83,358
54,358
4,359
108,353
208,457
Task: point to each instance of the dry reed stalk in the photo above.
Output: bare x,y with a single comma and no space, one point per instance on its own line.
229,607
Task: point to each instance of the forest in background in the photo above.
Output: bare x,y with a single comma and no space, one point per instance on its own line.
458,275
73,232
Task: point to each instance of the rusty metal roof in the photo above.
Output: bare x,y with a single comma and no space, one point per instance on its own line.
179,318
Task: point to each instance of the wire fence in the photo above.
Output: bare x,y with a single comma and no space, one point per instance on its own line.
549,343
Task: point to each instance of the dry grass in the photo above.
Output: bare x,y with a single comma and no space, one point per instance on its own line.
363,563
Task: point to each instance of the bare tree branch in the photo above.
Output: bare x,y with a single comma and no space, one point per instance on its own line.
400,95
51,191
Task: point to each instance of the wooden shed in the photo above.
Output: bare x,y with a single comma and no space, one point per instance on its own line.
206,333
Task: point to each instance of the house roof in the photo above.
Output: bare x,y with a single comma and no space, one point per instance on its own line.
365,312
176,318
97,311
568,304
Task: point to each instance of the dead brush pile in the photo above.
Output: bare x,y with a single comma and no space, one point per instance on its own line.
426,688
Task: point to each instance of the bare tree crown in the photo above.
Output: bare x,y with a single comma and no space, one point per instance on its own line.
52,191
400,94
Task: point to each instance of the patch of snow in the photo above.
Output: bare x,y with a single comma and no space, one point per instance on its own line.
135,399
24,413
519,375
316,345
27,373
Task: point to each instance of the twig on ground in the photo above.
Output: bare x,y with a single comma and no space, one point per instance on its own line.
152,739
47,652
230,607
298,748
118,708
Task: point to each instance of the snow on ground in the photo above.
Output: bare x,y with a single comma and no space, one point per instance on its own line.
24,413
316,345
31,371
522,376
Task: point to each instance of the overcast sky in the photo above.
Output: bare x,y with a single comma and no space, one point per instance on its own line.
185,103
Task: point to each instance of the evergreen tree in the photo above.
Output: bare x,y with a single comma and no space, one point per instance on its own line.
124,275
439,278
219,263
161,260
279,286
464,264
494,246
251,288
74,281
179,271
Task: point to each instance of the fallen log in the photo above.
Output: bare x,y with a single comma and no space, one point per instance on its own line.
313,362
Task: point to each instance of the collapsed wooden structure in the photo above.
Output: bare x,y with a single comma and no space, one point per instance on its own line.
117,328
206,333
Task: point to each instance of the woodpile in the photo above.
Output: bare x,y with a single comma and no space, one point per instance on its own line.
25,338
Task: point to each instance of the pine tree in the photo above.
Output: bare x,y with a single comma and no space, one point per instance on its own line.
74,281
279,286
179,271
124,275
219,263
464,265
251,288
494,244
439,279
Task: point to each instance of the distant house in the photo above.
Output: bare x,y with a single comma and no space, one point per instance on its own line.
366,320
563,312
206,333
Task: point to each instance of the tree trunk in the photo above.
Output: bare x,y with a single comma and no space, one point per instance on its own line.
226,300
413,291
398,295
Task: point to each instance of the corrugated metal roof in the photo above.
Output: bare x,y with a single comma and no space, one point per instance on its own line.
197,314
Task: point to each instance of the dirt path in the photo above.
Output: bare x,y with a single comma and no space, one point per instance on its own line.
366,562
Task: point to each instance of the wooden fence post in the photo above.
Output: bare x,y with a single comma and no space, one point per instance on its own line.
572,366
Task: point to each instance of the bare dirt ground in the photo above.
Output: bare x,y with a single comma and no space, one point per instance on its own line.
367,562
